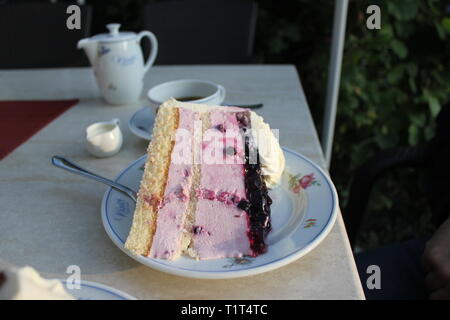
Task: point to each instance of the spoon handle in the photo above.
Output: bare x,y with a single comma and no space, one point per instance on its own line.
65,164
248,106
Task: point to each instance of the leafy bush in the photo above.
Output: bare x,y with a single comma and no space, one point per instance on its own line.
394,81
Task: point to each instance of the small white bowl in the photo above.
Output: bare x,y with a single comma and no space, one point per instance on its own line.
104,139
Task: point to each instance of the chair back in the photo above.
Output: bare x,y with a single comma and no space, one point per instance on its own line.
35,35
202,31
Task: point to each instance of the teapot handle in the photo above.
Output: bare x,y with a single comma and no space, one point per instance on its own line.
154,48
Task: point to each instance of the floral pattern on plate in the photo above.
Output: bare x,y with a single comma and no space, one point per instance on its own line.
299,181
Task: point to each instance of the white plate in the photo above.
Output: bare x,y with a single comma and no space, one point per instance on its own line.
303,212
141,123
95,291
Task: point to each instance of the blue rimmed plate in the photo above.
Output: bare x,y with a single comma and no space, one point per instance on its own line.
141,123
95,291
304,210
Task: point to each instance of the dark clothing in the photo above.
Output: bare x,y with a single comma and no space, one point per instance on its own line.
439,170
402,277
400,263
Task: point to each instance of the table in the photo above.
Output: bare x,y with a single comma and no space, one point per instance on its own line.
50,219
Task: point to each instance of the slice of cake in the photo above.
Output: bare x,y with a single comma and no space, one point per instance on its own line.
204,189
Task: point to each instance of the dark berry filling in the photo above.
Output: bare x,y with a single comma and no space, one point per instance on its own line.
197,229
221,128
258,201
231,151
244,205
243,119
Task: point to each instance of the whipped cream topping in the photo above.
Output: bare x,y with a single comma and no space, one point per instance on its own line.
26,284
270,154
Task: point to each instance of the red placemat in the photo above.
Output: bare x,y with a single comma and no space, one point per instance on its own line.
19,120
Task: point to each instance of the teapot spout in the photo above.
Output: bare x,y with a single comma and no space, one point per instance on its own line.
90,48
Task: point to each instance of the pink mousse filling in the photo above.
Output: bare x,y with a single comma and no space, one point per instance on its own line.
221,231
172,213
220,226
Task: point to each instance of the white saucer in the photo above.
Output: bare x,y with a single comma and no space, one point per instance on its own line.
141,123
96,291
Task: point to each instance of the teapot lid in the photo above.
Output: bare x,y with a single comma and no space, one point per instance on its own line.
114,34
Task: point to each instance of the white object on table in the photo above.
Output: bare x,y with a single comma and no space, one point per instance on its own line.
57,222
89,290
104,139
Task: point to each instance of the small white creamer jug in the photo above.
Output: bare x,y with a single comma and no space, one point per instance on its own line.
118,63
104,139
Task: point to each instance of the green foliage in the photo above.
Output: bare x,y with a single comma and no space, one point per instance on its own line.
394,82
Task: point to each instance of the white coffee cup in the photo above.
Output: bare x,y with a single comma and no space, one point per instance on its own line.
187,90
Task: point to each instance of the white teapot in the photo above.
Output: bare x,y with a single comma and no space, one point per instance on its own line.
118,63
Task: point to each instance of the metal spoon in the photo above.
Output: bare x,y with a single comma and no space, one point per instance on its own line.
65,164
249,106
